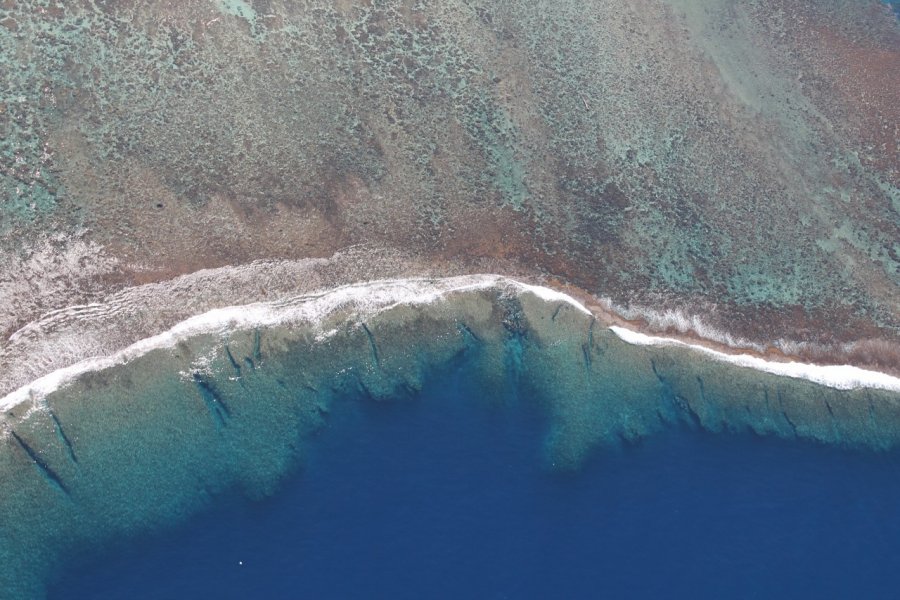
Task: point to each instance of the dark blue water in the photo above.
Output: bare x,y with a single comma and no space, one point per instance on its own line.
444,498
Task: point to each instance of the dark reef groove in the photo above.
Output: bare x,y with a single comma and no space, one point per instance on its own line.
372,345
63,437
231,360
212,399
45,470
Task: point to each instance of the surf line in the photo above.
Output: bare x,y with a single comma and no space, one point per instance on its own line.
842,377
368,298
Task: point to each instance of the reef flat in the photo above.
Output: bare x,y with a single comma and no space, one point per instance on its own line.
227,402
734,161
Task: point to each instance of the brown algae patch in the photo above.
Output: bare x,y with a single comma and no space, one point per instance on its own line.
657,152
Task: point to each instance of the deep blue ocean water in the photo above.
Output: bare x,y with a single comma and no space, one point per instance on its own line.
444,497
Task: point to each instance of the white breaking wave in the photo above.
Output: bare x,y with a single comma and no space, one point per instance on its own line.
362,299
550,295
681,322
842,377
70,333
368,298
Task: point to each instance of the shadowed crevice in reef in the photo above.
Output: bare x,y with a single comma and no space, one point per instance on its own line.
60,432
252,361
784,414
556,312
873,420
471,338
147,458
232,361
45,470
363,388
677,401
257,345
212,399
372,345
587,348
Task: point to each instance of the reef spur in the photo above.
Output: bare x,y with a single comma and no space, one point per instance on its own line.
227,401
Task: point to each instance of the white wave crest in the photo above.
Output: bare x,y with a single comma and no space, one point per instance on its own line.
843,377
361,299
364,299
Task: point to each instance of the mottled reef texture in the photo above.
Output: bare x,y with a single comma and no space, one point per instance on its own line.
735,160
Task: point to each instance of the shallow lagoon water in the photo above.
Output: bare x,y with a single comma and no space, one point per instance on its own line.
492,439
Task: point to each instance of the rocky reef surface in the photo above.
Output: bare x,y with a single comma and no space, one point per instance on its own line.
732,161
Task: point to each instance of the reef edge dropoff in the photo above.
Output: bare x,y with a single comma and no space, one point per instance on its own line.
229,401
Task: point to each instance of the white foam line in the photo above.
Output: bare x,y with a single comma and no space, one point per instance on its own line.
376,296
843,377
363,299
551,295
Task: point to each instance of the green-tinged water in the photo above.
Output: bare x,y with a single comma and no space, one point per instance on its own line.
144,445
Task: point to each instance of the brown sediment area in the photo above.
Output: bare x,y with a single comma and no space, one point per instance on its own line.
737,163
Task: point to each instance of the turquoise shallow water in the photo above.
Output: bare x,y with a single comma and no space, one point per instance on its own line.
427,423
